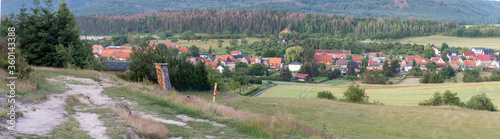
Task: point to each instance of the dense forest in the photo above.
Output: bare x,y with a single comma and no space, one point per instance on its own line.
259,22
443,10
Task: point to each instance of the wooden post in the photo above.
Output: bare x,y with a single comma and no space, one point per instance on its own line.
215,91
163,77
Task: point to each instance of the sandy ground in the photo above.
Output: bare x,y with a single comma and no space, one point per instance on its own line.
41,118
91,123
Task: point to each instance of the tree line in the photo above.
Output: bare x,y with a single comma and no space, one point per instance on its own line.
258,22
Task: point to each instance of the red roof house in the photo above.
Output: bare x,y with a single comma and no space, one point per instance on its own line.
483,57
357,58
413,57
235,52
286,30
303,76
469,63
468,54
184,49
275,62
326,59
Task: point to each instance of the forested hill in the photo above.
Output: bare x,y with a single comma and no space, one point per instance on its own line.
443,10
260,22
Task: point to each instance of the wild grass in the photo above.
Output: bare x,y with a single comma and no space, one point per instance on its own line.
196,107
33,89
146,127
69,129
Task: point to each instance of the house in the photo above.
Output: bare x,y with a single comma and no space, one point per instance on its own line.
294,66
325,59
286,30
436,50
407,65
478,50
342,64
256,59
116,52
220,68
169,45
379,60
335,53
437,60
246,60
235,52
422,63
239,56
117,67
439,66
493,65
413,57
303,77
97,49
482,57
469,54
455,66
482,64
184,49
451,53
455,58
469,64
274,62
357,58
372,65
374,54
355,65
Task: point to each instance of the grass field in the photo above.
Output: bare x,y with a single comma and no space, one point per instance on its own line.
348,120
437,40
394,95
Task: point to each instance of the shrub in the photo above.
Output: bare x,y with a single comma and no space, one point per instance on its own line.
326,95
450,98
355,94
390,82
252,81
471,76
447,98
481,102
258,81
435,100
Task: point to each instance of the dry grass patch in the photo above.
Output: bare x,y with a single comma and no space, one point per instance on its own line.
146,127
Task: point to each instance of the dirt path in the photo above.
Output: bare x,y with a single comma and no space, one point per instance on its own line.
410,81
41,118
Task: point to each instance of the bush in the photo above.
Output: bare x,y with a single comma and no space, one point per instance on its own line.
326,95
481,102
252,81
390,82
258,81
471,76
447,98
355,94
435,100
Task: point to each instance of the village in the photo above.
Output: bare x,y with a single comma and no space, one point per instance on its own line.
478,57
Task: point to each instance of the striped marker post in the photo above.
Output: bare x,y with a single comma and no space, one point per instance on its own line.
215,92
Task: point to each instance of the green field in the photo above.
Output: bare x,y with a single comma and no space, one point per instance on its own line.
394,95
349,120
437,40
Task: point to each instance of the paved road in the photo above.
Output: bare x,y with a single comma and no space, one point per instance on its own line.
256,95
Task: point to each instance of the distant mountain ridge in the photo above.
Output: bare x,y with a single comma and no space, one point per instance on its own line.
443,10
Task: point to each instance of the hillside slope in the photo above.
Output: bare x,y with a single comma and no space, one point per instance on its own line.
456,10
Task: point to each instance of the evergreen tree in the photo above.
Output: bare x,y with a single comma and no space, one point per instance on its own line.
285,74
